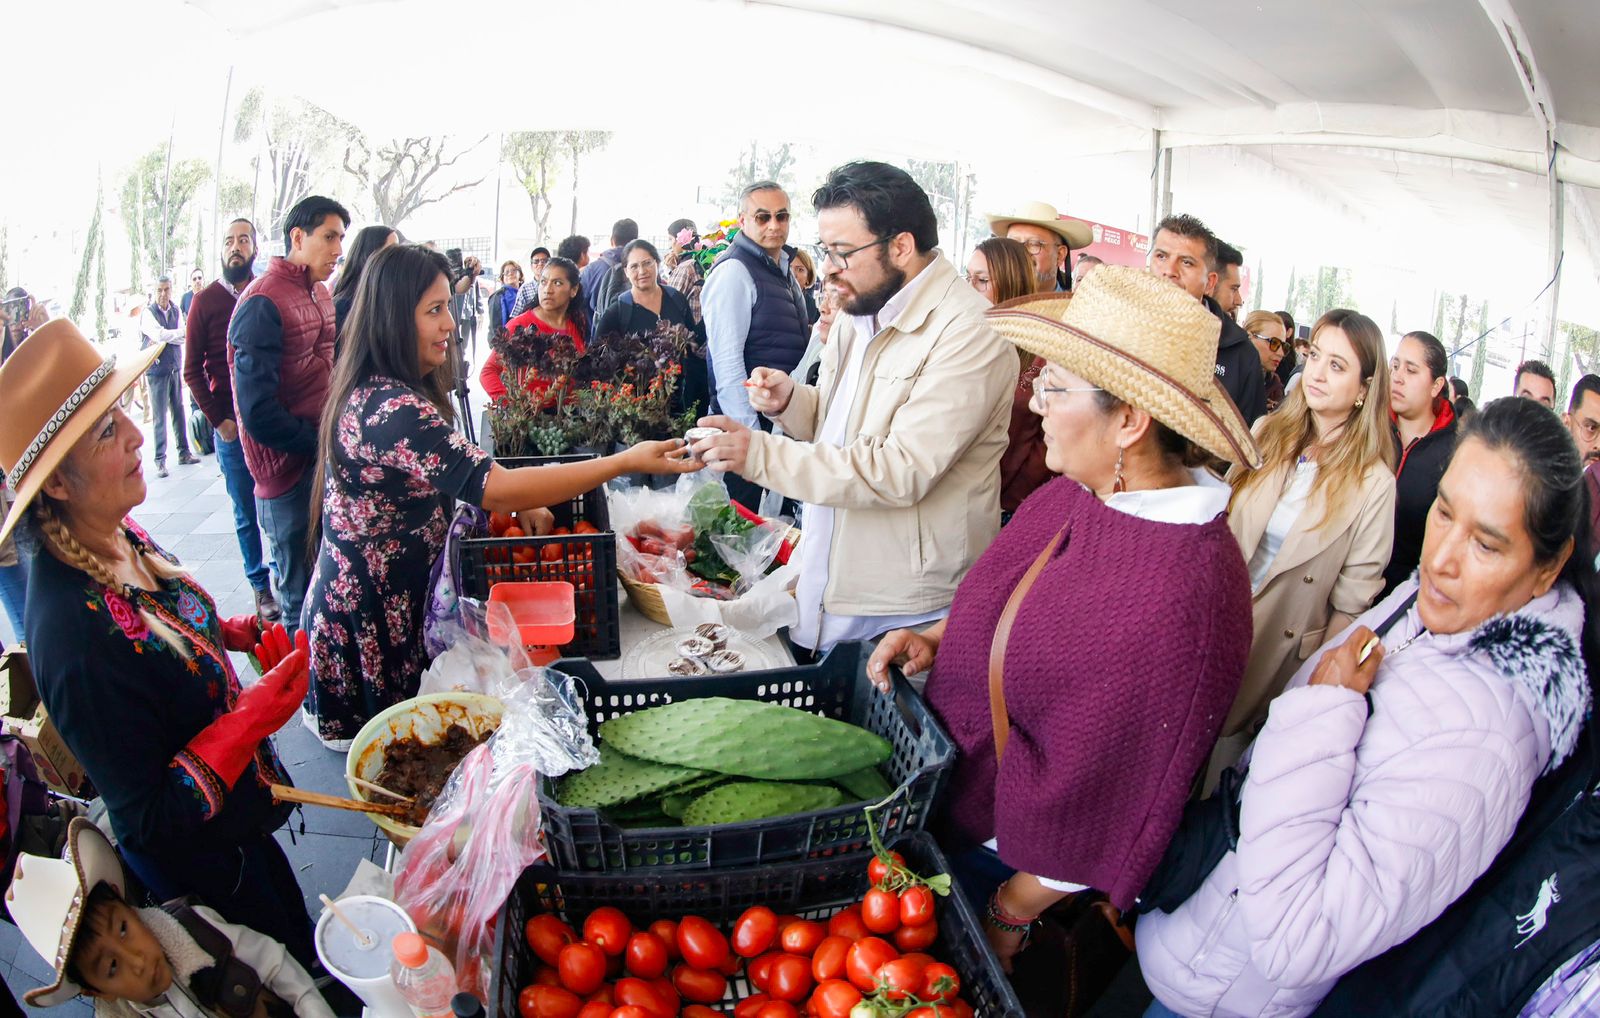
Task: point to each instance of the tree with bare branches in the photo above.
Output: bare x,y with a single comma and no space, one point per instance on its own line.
535,157
579,144
757,163
398,176
298,138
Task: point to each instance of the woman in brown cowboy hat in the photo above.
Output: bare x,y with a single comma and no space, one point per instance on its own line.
1091,652
130,655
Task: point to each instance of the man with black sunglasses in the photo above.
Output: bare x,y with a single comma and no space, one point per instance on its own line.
755,313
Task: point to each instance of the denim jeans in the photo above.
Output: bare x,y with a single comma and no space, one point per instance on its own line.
1160,1010
166,400
14,593
241,489
284,521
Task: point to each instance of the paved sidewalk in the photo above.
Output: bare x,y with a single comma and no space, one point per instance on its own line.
191,515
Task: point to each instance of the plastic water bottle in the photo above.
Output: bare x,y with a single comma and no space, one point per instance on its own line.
423,975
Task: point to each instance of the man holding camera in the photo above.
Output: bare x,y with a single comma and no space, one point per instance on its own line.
161,325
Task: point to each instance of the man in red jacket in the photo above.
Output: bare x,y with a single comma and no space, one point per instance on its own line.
205,370
280,353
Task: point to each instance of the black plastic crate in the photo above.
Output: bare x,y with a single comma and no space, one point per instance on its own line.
838,688
814,889
587,561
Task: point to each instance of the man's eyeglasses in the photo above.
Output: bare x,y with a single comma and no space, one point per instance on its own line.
1043,392
841,259
1278,345
1589,428
764,217
1036,247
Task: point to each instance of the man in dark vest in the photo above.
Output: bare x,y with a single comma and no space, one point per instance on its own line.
755,314
280,353
161,325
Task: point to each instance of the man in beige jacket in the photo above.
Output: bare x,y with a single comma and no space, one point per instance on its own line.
896,451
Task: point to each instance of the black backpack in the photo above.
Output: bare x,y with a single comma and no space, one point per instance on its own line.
201,432
1536,906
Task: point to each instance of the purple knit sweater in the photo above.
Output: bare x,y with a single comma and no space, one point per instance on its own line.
1122,663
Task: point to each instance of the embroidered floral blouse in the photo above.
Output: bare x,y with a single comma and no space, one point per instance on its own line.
127,705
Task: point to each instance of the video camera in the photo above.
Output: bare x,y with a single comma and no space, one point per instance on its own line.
17,306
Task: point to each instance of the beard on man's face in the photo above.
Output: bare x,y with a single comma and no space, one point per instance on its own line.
235,271
870,302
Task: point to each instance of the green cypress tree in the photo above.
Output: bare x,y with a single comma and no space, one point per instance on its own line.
80,288
1480,355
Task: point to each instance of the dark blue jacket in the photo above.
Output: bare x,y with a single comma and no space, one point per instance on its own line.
780,326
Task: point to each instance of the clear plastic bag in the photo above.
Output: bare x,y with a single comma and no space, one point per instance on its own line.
670,537
484,829
468,661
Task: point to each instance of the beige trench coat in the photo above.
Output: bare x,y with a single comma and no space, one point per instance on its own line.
1338,567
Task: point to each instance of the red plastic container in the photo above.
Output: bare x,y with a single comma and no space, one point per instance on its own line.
544,615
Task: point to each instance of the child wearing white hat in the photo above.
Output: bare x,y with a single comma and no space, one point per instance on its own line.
176,962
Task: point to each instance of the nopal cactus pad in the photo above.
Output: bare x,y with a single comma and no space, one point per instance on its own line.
747,738
754,800
620,778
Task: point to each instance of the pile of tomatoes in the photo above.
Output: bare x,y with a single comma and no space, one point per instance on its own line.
867,961
574,560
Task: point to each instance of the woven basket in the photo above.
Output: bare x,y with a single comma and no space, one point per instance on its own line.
647,596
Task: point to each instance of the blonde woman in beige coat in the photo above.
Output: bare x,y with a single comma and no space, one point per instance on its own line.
1316,522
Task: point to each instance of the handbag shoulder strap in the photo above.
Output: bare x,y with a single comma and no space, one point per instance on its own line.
1002,638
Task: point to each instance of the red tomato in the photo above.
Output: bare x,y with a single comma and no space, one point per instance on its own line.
547,976
595,1009
916,938
878,868
498,522
731,965
701,1011
790,978
777,1009
646,955
630,1011
940,982
513,531
754,931
827,961
583,968
847,924
667,930
916,906
667,992
702,945
901,978
547,935
761,970
640,993
933,1011
608,929
802,937
834,998
963,1009
604,995
548,1002
880,911
866,957
748,1007
703,986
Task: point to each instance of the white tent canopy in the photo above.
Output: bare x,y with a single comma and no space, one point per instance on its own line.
1425,127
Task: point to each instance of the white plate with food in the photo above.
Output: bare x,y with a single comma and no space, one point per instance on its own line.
707,649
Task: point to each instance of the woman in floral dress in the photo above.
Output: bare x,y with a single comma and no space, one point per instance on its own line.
392,463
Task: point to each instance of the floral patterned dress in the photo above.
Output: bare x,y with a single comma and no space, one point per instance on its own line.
395,467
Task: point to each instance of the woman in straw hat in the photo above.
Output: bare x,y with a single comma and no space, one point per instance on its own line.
1090,653
130,655
1316,522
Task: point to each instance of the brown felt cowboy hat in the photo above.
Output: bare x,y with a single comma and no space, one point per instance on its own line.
54,387
1076,235
1145,341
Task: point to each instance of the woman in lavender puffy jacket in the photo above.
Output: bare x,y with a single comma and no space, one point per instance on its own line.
1379,790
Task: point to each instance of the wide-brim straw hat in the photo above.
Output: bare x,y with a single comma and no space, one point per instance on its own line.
1075,234
54,387
46,900
1145,341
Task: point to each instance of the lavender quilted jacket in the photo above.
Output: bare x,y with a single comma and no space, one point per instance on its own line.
1358,830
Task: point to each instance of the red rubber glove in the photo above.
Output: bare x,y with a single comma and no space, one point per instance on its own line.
228,744
241,633
274,646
